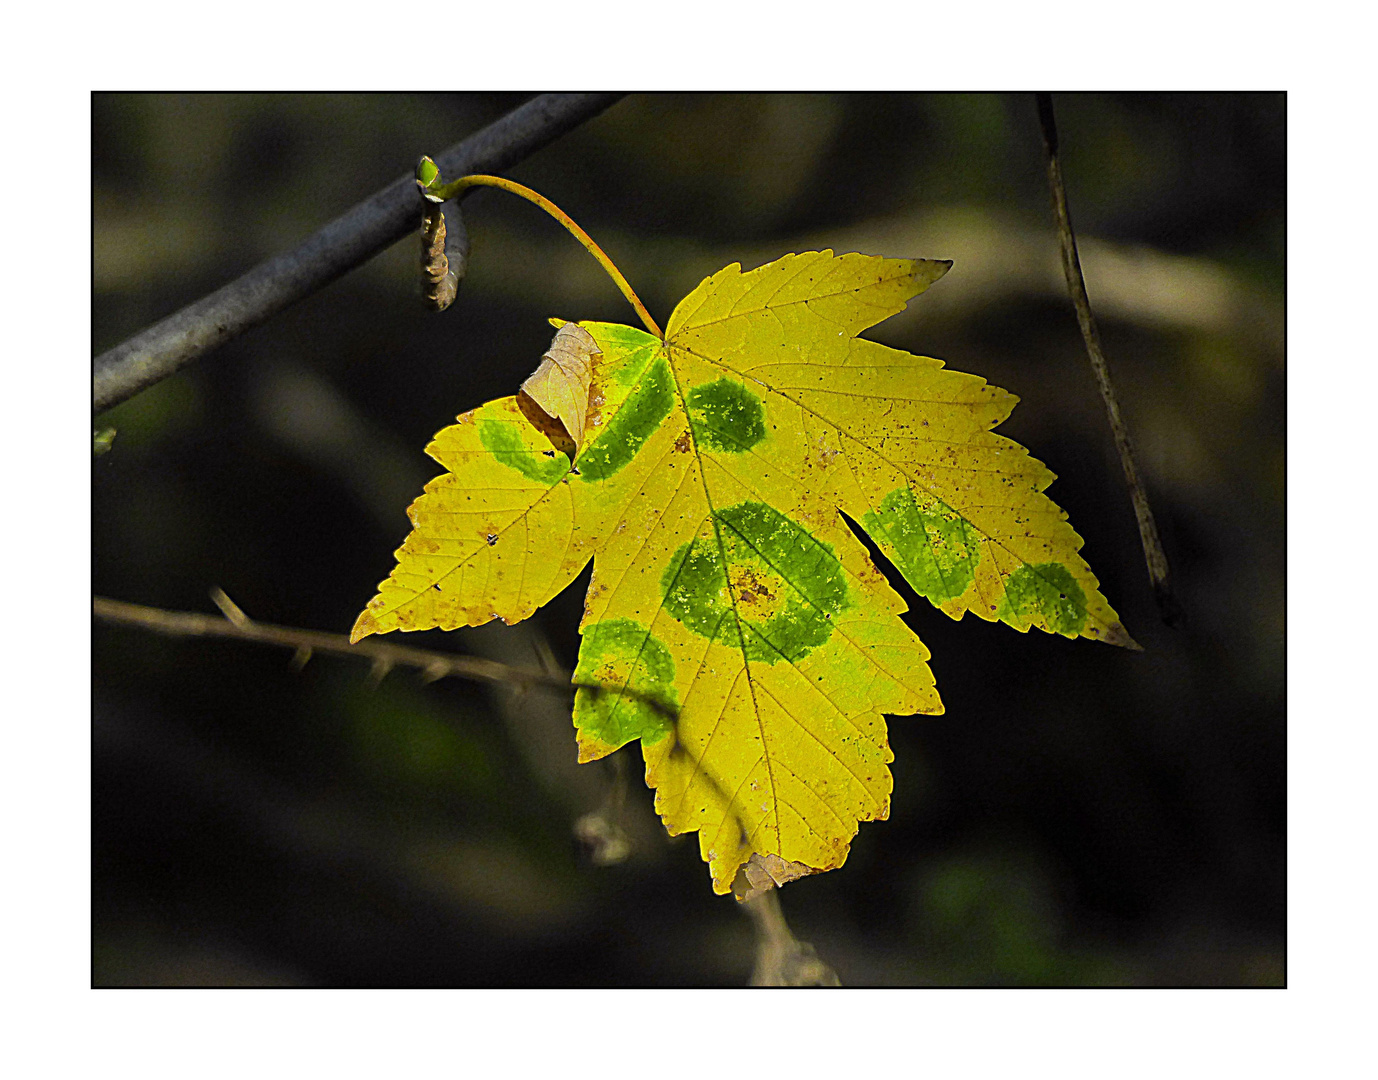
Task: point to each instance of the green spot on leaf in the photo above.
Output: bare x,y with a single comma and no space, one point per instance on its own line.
1047,591
503,440
726,416
630,427
935,548
626,352
618,654
760,583
773,763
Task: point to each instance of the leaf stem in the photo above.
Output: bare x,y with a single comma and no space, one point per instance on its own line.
348,241
443,193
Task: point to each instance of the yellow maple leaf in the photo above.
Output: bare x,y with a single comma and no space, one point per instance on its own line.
734,624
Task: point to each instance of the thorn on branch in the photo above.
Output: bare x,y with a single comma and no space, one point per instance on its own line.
378,671
230,609
545,655
304,644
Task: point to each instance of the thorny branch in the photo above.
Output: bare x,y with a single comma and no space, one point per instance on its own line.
1168,607
362,232
383,656
781,959
347,242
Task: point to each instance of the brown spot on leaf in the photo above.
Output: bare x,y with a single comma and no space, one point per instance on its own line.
765,872
560,385
547,425
754,592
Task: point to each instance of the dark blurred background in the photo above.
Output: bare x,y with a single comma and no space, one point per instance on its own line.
1080,815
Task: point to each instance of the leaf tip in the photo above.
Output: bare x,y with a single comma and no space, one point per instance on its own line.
590,747
364,625
927,271
1116,634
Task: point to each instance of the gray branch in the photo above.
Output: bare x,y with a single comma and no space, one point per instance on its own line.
348,241
384,657
1168,607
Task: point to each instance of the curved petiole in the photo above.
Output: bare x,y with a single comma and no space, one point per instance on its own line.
429,181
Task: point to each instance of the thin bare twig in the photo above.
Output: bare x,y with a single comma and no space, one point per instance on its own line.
1168,607
601,831
348,241
781,958
383,656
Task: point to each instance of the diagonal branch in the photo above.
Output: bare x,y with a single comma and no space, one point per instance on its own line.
347,242
1168,606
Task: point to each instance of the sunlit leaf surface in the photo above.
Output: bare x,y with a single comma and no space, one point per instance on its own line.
734,623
